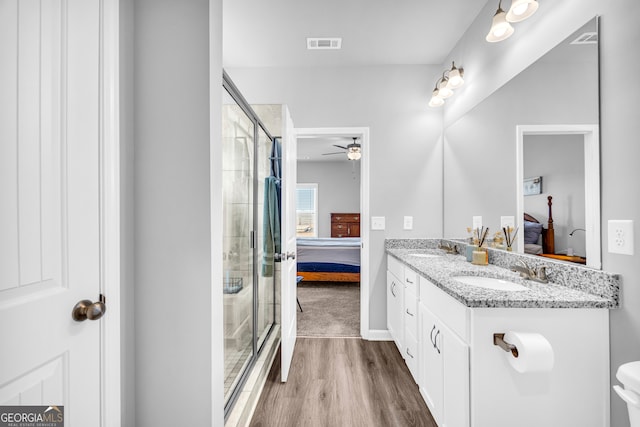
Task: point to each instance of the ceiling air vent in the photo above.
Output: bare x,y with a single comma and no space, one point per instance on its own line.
586,38
324,43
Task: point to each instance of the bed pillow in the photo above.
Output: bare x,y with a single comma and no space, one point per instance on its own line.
532,232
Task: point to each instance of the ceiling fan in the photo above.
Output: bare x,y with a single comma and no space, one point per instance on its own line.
353,150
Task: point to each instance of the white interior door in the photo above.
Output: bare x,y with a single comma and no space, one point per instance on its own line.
288,245
49,205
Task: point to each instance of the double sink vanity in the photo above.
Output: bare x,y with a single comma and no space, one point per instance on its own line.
447,318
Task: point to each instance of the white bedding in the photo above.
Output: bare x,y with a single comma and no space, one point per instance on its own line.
329,250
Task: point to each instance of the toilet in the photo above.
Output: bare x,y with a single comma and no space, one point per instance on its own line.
629,375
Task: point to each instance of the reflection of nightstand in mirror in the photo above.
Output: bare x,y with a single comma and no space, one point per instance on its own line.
576,259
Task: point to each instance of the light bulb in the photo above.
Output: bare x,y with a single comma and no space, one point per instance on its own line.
521,10
444,91
500,28
436,101
455,77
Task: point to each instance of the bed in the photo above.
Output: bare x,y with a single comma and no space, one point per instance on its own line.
329,259
535,233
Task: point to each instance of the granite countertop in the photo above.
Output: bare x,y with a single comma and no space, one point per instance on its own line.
441,269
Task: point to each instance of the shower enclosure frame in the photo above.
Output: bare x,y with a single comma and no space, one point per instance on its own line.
236,95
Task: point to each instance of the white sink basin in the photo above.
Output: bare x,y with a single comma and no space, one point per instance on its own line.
490,283
424,255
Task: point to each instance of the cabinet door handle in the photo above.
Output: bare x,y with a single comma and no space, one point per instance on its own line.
409,313
435,341
408,281
393,285
431,336
410,355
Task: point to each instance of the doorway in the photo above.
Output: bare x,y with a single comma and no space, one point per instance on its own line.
588,137
327,190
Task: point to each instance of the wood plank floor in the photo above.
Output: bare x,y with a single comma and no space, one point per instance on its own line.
347,382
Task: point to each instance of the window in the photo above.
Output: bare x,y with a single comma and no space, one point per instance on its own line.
307,210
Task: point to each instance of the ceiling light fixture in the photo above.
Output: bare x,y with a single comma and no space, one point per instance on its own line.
451,79
444,90
500,27
521,10
455,76
354,153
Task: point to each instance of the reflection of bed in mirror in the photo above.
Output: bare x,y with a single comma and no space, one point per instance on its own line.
539,240
329,259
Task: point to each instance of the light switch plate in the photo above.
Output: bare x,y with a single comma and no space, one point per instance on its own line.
507,221
408,223
477,222
377,223
620,237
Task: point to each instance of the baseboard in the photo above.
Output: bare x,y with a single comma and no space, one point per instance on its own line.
378,335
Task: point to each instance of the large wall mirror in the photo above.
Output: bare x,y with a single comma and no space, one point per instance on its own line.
536,136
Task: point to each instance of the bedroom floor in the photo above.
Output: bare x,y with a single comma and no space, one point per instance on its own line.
329,309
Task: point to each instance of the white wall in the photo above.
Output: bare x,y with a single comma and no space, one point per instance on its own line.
338,189
493,64
173,238
559,160
480,147
127,201
406,158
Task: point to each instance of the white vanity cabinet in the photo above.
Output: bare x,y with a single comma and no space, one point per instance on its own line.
410,314
395,302
444,356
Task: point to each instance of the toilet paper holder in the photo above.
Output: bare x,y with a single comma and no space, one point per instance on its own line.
498,339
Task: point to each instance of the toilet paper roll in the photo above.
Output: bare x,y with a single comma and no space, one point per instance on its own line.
535,353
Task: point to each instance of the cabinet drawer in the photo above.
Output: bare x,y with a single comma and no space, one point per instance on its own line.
345,217
410,312
411,355
411,281
452,313
395,267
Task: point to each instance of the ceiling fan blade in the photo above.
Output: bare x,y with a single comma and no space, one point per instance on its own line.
340,146
330,154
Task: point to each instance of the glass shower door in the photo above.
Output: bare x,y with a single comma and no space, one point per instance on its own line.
266,276
238,255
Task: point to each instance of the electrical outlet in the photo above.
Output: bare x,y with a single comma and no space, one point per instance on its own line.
377,223
408,223
620,237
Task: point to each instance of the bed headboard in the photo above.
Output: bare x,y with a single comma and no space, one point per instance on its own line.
548,236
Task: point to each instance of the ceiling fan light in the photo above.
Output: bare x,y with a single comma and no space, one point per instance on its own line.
354,153
455,77
500,28
521,10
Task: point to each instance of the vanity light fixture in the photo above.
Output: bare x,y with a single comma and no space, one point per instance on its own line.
451,79
436,101
521,10
444,90
455,76
501,29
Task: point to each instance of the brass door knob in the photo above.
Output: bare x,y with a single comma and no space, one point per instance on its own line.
86,309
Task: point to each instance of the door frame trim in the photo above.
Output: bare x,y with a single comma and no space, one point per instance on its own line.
362,132
591,136
110,370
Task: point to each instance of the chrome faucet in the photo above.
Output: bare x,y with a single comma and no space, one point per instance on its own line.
537,275
450,249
